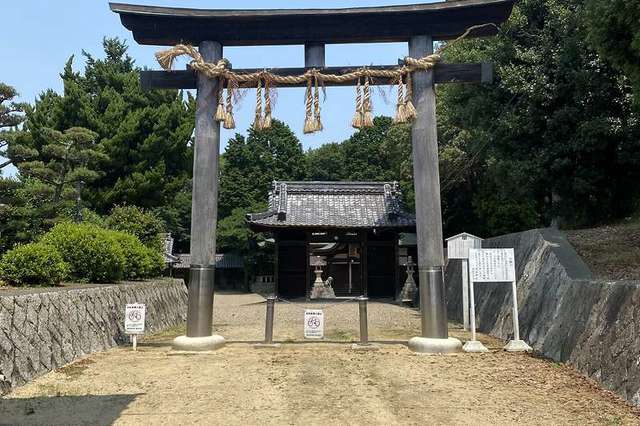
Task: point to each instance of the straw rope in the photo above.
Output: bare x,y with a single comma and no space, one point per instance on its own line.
405,110
257,122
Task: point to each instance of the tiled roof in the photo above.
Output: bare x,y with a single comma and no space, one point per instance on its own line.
334,205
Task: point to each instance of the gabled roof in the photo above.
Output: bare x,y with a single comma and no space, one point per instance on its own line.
364,205
443,20
463,234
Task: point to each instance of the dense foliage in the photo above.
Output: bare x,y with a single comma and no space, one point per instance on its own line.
145,225
613,30
93,254
140,152
34,264
554,139
11,115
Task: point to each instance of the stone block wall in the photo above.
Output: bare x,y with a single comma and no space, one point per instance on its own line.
43,330
565,314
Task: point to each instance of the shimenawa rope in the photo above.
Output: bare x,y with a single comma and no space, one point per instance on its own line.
405,110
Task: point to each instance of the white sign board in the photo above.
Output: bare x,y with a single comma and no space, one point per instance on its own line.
134,319
492,265
313,324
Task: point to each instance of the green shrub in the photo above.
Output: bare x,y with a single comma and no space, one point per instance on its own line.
93,254
136,221
140,261
33,264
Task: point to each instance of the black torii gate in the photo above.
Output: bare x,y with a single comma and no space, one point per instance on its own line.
419,25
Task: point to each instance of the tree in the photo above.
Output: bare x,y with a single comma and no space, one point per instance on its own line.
66,162
554,138
10,117
248,168
145,135
613,30
327,163
250,165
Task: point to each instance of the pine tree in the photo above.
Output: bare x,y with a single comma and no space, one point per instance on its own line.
11,115
145,135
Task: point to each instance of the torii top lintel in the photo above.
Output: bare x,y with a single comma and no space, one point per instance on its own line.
166,26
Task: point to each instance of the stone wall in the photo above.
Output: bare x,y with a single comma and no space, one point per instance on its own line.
565,314
45,329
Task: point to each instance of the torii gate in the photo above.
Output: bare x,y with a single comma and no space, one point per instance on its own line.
419,25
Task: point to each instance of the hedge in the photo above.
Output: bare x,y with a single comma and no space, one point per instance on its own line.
33,264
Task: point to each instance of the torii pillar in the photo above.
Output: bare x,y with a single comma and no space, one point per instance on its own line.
204,213
426,176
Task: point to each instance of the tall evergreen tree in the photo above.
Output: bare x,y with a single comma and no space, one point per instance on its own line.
11,115
251,164
554,138
614,31
145,135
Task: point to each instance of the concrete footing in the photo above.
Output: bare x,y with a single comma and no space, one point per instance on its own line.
198,344
430,346
474,346
517,346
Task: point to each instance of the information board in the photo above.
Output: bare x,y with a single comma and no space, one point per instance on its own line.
492,265
134,316
313,324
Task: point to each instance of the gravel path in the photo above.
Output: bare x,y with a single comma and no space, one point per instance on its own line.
310,383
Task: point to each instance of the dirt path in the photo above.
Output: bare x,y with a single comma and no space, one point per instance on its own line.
322,383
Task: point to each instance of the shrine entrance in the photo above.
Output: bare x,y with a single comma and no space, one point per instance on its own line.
217,83
336,239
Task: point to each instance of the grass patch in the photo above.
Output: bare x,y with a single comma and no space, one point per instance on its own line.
75,370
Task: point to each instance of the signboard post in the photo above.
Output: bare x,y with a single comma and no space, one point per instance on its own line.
134,316
494,265
458,247
313,324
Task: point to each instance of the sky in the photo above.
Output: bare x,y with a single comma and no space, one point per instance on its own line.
41,35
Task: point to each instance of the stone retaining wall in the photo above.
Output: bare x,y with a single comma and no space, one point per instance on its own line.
565,314
44,330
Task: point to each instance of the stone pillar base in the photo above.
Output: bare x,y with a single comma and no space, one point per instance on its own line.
474,346
517,346
431,346
197,344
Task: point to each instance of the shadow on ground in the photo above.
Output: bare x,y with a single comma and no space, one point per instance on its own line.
64,410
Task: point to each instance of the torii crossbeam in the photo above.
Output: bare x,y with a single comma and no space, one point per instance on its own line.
419,25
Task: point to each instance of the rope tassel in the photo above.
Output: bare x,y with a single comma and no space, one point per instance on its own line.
220,111
267,121
357,118
401,115
229,122
367,120
409,109
317,122
309,125
257,121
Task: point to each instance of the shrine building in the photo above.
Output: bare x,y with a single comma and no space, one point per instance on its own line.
354,232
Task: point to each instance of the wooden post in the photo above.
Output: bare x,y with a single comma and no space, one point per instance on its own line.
314,55
465,293
424,139
276,266
204,204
